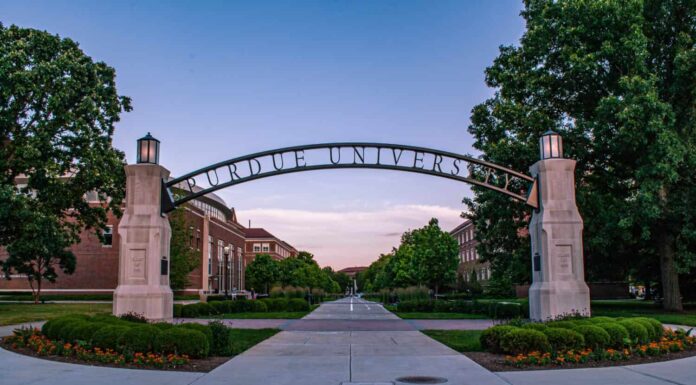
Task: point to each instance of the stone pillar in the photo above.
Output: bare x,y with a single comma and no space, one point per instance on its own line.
143,268
558,271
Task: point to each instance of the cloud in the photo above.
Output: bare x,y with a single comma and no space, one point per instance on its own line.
348,238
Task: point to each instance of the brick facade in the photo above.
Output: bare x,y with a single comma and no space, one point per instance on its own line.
212,226
468,256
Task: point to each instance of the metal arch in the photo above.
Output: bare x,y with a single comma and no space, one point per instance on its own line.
530,198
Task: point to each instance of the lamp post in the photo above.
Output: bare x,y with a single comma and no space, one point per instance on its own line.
226,251
558,273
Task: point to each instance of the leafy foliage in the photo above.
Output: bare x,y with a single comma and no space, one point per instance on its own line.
57,114
618,81
183,258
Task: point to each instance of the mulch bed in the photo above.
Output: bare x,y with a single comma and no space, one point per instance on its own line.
195,365
496,362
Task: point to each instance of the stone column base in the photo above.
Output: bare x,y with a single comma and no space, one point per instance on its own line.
154,302
550,300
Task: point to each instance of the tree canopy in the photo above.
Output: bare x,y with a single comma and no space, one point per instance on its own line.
617,79
426,256
58,109
302,270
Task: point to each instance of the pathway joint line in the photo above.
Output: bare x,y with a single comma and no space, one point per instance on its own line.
652,376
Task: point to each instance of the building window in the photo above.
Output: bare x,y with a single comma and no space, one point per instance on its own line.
210,255
108,236
220,250
265,248
257,247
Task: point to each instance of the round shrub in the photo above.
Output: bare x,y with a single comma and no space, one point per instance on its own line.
595,337
535,326
637,332
140,339
521,341
108,337
617,334
655,329
601,320
50,327
258,306
201,328
298,304
163,325
183,341
68,332
86,332
561,324
490,338
564,339
219,345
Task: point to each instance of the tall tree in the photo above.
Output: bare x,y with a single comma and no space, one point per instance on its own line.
58,109
434,255
183,258
618,80
262,273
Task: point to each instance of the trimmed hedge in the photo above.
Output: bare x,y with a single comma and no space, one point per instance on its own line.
564,339
201,328
595,337
240,306
504,310
535,326
636,331
490,338
618,335
140,339
522,341
183,341
298,304
109,337
653,326
562,324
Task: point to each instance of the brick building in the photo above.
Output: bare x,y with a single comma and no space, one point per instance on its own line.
212,229
260,241
468,257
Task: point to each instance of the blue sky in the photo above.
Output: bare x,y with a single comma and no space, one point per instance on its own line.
219,79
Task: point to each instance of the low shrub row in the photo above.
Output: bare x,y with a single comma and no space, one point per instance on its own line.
108,332
584,333
494,309
203,309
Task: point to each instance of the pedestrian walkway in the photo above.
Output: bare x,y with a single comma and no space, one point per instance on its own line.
330,347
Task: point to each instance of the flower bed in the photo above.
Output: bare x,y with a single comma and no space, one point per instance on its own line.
583,341
113,341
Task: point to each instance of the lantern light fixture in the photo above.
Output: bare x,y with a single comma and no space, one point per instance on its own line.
551,145
148,150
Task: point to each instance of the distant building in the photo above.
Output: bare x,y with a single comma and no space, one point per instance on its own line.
352,271
259,241
468,256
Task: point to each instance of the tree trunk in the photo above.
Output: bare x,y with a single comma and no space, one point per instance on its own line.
37,292
670,277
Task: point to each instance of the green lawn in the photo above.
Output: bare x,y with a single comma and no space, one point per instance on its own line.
459,340
637,308
15,313
243,339
418,315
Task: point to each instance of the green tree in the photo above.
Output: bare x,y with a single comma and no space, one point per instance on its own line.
57,114
617,79
183,258
434,256
262,273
